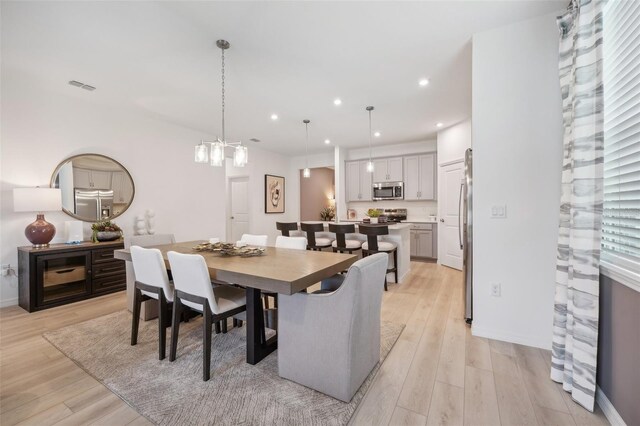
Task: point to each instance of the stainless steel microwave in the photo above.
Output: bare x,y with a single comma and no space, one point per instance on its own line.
388,191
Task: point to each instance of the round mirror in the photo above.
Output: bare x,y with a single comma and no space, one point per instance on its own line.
94,187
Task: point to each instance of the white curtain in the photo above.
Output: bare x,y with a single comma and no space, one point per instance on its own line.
575,323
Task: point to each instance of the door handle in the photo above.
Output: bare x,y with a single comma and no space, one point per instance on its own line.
460,216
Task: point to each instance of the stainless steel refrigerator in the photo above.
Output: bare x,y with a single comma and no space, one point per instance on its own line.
466,234
92,203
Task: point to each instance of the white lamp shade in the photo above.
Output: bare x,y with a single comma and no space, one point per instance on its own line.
37,199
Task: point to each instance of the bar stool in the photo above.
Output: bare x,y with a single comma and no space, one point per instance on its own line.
286,227
373,246
341,244
314,243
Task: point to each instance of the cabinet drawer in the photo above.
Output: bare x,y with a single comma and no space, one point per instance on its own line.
104,269
422,226
109,283
103,255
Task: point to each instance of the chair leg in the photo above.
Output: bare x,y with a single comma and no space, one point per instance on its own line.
224,326
395,264
135,320
162,325
218,327
175,325
206,343
385,282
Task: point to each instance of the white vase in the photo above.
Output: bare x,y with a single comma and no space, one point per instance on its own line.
374,219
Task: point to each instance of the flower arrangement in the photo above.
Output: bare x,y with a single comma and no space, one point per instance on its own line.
105,231
373,213
327,213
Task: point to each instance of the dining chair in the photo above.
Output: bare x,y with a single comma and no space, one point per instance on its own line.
335,363
372,246
342,244
194,291
313,242
255,240
286,228
152,283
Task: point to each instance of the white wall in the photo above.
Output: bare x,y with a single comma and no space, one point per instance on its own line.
453,142
263,162
517,148
41,127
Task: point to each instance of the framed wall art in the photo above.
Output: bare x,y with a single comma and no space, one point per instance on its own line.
273,194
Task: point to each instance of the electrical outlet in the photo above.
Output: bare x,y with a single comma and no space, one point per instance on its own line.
499,211
496,289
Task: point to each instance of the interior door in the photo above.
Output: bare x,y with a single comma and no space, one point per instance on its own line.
239,208
450,252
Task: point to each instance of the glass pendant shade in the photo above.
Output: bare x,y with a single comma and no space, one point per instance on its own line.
370,166
306,172
201,153
217,154
240,156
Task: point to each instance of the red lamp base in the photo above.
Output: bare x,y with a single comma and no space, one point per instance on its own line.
40,232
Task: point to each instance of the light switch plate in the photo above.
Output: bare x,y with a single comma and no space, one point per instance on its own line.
499,211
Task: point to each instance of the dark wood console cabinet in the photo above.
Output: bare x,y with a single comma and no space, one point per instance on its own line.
64,273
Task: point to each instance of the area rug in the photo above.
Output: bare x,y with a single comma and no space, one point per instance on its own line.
174,393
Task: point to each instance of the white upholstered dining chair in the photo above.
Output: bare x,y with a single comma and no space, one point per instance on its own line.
254,240
152,283
297,243
193,290
334,353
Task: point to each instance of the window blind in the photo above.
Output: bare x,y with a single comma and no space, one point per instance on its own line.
621,216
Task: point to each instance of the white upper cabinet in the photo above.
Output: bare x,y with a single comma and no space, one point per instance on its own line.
387,170
358,181
101,180
122,189
420,177
91,179
81,178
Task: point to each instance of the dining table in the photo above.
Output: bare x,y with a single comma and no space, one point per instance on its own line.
277,270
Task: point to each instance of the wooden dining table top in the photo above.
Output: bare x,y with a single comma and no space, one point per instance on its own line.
278,270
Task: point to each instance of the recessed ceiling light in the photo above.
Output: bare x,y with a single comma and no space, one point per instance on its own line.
423,82
439,124
377,134
337,101
327,141
274,117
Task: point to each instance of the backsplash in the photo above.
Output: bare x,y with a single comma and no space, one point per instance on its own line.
415,209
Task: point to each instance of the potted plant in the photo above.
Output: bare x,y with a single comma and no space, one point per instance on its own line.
373,215
105,231
327,214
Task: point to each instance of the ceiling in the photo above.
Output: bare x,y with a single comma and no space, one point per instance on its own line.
288,58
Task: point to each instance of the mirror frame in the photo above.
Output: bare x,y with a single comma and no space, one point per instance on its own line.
66,160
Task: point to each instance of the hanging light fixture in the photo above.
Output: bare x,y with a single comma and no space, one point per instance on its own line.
370,163
213,152
306,172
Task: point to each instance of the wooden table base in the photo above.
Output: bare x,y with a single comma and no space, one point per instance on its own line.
257,346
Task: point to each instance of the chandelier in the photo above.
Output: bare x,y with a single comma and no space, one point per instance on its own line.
213,152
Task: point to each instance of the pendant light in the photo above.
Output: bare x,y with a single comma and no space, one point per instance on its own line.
370,163
306,172
213,152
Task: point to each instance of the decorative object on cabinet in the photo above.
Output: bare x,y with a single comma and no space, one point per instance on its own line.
105,231
73,231
274,194
62,273
93,187
327,213
213,152
40,200
352,214
150,221
140,226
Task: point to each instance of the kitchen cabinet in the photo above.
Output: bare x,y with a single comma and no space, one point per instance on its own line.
420,177
424,242
91,179
122,189
387,170
358,181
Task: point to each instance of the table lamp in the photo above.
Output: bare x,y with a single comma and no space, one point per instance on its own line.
39,200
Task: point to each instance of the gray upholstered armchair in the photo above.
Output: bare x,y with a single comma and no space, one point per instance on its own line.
331,342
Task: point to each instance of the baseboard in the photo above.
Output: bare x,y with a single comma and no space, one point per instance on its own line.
509,337
8,302
608,409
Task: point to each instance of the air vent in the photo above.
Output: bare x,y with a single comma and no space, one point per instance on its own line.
254,140
82,85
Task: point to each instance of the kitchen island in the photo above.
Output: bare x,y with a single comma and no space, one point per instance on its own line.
399,234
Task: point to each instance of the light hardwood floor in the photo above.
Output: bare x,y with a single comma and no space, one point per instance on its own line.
437,373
